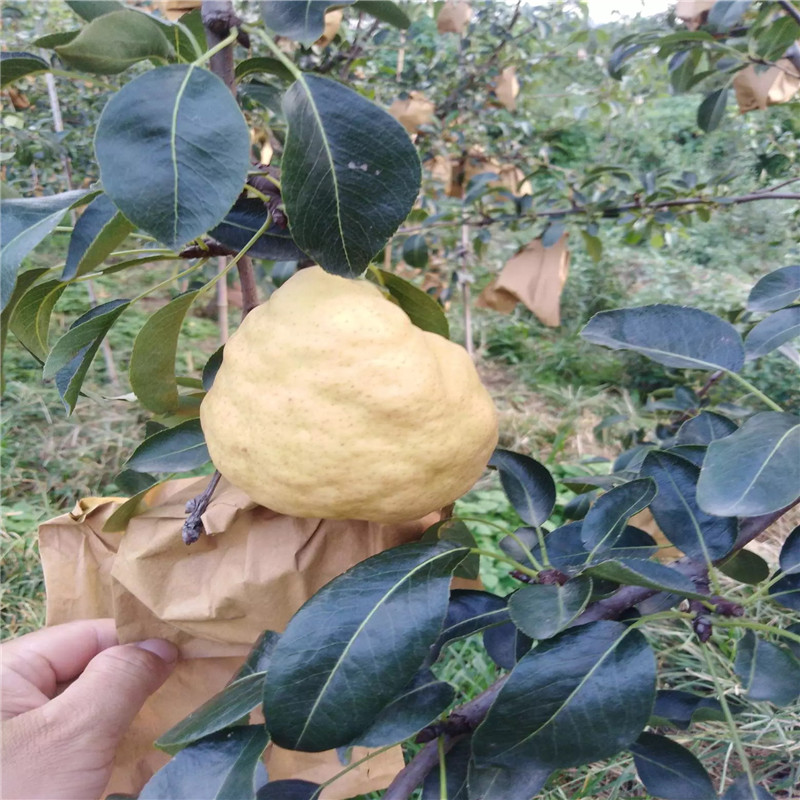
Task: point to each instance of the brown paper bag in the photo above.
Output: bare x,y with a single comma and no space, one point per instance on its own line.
693,12
506,88
333,21
757,90
441,169
213,599
413,112
454,17
175,9
535,276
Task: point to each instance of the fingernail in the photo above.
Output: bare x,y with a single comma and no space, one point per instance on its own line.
165,650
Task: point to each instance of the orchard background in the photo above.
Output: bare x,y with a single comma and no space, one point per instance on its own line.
532,124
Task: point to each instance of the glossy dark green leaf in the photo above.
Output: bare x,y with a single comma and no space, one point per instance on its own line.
385,11
173,150
755,470
711,110
778,328
506,644
255,66
619,56
690,528
527,484
30,321
97,233
553,232
777,289
421,308
675,336
768,672
680,709
73,353
186,35
556,708
725,14
777,37
212,367
469,611
17,64
350,174
511,782
417,705
177,449
594,246
111,43
706,427
261,93
746,567
456,765
25,281
786,591
541,611
118,521
608,516
91,9
453,530
372,626
301,20
152,366
682,68
693,453
241,224
25,222
790,553
670,771
290,789
222,766
415,251
639,572
741,789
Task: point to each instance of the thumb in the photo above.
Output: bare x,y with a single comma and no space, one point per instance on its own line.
114,686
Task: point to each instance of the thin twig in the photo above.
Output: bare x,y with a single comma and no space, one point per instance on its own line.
195,508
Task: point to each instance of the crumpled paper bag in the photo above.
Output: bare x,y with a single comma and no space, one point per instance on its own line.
535,276
756,90
693,12
212,599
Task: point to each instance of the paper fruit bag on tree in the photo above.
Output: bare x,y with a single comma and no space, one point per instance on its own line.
757,89
251,573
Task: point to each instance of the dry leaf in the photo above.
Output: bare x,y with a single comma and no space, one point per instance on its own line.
757,90
454,17
536,276
174,9
413,112
506,88
693,12
333,21
17,98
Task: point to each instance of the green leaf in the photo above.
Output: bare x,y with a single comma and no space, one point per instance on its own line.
705,428
669,770
177,449
608,517
415,251
768,672
681,709
746,567
682,68
555,709
73,353
676,336
97,232
790,553
421,308
755,470
675,508
51,40
553,232
26,221
15,64
541,610
527,484
222,766
740,789
769,334
301,20
508,782
241,224
111,43
91,9
226,707
212,367
453,530
118,521
776,290
710,111
388,611
253,66
152,366
30,322
786,591
385,11
186,34
619,56
174,150
651,574
24,282
776,38
725,14
350,174
419,704
594,246
289,789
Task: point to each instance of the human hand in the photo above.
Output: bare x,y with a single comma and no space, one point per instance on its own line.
68,695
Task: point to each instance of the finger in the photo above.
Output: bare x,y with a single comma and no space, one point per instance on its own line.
56,655
113,688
